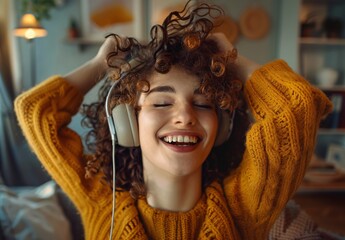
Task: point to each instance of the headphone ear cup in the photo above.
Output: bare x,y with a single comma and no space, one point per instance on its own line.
225,123
125,125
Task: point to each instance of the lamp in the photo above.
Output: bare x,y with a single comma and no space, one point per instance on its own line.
30,28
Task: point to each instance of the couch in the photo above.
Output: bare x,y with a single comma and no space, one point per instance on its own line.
45,212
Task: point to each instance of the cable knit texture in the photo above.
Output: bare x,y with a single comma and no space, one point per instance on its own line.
287,111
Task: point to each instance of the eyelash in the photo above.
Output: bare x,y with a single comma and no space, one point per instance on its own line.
204,106
162,105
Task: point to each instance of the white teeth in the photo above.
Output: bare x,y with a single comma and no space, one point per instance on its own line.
181,139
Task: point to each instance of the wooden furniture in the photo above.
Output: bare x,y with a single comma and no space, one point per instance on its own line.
327,209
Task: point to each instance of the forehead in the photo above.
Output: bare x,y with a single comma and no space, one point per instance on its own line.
175,77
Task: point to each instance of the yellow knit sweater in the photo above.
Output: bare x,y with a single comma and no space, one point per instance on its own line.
287,111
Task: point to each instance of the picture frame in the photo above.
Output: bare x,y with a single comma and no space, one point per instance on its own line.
159,9
102,17
336,156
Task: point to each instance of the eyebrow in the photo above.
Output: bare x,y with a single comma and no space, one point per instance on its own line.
169,89
162,89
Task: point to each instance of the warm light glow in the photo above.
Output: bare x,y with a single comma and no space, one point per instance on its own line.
29,20
30,28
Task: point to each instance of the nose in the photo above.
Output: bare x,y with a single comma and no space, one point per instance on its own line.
185,115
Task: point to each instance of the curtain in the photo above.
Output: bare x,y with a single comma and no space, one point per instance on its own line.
18,164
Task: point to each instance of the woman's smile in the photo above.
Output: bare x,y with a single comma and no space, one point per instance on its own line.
181,142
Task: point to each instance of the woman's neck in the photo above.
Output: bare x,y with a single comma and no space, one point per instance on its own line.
172,193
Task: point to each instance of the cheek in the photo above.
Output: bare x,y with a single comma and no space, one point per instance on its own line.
149,124
210,123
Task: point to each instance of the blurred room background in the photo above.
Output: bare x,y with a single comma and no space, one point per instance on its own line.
308,34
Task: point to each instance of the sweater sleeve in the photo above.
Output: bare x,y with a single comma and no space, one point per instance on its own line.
287,111
44,113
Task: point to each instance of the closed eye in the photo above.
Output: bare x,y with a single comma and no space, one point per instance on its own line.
204,106
162,105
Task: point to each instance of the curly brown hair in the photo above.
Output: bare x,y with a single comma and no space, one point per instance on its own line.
182,40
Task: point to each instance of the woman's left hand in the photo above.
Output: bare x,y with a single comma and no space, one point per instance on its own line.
245,66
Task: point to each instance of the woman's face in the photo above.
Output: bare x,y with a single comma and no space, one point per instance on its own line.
177,124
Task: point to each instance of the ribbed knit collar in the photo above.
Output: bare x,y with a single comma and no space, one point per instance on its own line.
209,219
172,225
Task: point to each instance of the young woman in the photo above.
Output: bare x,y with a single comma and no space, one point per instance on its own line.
186,179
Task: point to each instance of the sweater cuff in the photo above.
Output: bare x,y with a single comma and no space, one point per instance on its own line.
274,66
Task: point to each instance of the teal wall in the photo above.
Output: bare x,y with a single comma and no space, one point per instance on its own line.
288,33
262,50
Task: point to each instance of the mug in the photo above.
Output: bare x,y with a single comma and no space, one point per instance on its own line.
327,77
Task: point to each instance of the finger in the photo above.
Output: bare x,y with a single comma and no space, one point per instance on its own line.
222,41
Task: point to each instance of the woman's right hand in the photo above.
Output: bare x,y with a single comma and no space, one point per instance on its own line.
108,46
94,70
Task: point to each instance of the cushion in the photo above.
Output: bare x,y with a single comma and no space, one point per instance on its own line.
295,224
32,213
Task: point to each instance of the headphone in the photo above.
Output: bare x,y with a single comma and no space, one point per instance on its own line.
123,127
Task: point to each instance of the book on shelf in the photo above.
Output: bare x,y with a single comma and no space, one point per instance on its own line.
336,119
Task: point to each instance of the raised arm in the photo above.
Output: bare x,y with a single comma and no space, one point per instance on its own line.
44,113
279,145
286,110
